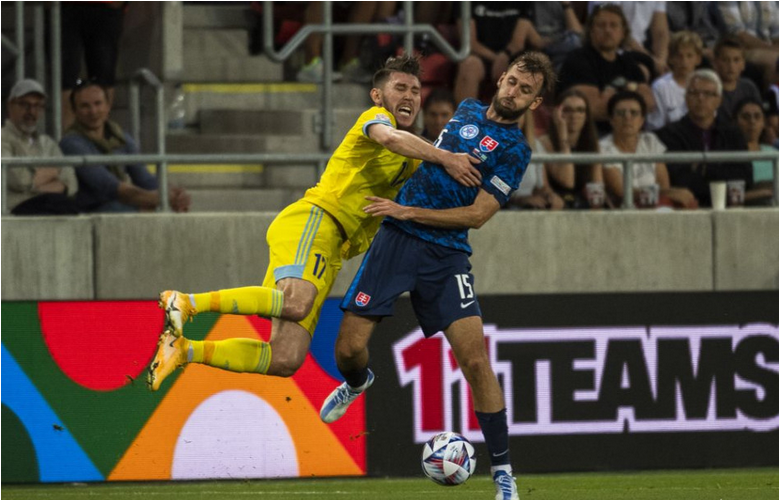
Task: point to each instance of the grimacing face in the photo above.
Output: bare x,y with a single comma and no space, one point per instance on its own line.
517,91
401,95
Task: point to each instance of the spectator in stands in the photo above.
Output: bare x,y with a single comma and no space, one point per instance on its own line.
729,64
771,100
600,69
351,12
438,110
749,116
685,55
756,26
90,30
498,31
697,17
110,187
647,18
559,29
41,189
571,130
534,191
627,111
701,131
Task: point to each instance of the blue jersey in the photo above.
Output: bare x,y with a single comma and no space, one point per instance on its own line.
504,155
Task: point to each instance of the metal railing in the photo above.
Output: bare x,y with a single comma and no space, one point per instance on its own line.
145,76
320,158
328,29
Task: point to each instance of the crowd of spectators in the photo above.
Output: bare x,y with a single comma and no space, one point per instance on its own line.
634,77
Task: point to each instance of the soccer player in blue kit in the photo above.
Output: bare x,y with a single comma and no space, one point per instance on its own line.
422,247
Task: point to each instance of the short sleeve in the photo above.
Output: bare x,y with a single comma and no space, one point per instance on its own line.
508,173
376,115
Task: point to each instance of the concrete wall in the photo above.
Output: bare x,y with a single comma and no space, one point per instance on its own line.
47,259
746,250
136,256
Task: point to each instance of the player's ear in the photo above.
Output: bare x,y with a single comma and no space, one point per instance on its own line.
376,95
501,79
536,103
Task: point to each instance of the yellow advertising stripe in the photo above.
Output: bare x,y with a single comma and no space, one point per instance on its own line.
256,88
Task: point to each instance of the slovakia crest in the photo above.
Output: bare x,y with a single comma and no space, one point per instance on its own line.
469,131
488,144
362,299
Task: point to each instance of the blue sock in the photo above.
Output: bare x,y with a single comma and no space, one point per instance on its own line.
494,426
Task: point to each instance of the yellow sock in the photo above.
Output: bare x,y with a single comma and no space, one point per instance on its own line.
242,355
250,300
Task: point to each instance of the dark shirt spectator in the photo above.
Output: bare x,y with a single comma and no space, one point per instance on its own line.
697,17
498,31
700,131
559,28
437,111
110,188
729,65
599,70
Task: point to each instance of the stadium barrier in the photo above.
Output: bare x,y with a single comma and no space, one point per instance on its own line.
319,159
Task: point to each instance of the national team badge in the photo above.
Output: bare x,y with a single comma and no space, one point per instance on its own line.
383,118
362,299
488,144
469,131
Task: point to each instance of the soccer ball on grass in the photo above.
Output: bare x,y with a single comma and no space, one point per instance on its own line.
448,459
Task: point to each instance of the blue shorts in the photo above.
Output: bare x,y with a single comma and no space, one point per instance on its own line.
437,277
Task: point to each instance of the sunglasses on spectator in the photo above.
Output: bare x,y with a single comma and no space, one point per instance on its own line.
578,109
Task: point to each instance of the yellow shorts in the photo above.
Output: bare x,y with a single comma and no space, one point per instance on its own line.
304,242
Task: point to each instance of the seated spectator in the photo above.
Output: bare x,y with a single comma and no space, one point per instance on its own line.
771,99
600,69
644,18
685,50
344,12
749,116
697,17
110,187
497,32
558,27
701,131
627,110
438,110
90,31
729,64
34,190
571,131
534,191
756,26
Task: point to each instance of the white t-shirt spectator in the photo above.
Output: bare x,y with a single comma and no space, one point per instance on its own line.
638,14
669,102
643,172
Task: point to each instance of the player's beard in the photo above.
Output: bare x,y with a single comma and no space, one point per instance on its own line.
504,111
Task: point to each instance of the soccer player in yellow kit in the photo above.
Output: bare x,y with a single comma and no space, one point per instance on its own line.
309,239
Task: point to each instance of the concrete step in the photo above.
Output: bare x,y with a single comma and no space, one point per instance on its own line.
269,96
278,122
221,55
231,200
224,15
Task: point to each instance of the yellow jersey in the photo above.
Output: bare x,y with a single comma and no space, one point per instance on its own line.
360,167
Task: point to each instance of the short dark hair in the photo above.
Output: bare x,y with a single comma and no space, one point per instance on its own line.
440,95
404,63
747,101
626,96
728,42
607,7
85,84
537,63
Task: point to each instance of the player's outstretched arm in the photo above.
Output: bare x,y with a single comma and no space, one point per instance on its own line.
458,165
473,216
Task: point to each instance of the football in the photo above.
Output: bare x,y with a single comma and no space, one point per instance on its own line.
448,459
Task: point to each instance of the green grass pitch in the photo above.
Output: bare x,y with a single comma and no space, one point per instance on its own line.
736,484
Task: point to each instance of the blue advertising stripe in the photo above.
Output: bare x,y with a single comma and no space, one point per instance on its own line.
60,458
